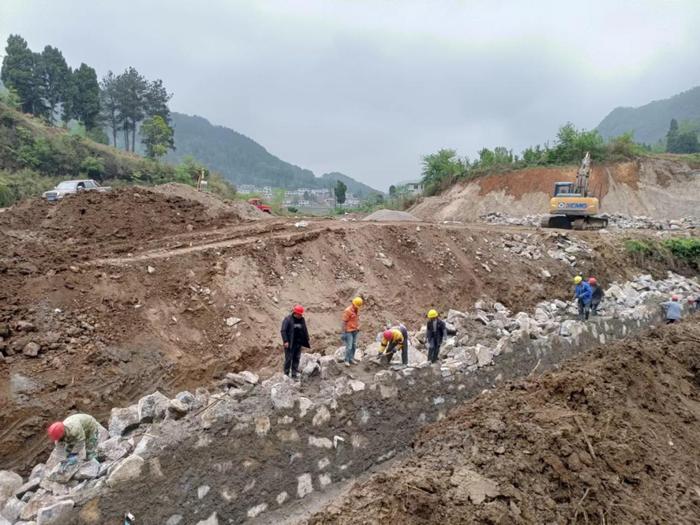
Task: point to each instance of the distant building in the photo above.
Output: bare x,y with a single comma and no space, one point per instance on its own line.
410,187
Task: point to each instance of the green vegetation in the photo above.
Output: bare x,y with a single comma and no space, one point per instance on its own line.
649,123
442,169
683,249
34,157
681,141
687,249
340,191
43,85
157,137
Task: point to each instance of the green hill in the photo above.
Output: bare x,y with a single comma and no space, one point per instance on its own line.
34,157
242,160
650,122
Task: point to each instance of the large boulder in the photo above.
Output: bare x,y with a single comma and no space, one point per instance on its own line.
283,394
122,420
10,482
113,449
153,407
60,513
126,470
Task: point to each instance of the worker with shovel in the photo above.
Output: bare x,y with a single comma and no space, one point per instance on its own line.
295,336
74,432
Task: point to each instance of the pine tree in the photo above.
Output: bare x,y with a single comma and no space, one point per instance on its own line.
86,96
109,104
55,77
19,72
672,137
131,99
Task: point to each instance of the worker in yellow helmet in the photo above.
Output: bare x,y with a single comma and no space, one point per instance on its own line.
435,333
392,340
351,329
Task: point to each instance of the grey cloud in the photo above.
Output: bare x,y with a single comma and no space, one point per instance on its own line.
368,87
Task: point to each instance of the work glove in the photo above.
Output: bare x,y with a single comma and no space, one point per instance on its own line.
70,461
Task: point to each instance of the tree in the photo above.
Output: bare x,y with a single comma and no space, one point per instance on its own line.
156,100
439,167
572,144
55,78
672,137
86,97
340,191
109,104
157,137
392,191
19,72
687,142
131,94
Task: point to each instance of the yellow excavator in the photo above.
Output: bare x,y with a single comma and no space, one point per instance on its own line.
571,207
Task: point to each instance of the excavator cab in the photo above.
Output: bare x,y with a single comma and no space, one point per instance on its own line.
564,188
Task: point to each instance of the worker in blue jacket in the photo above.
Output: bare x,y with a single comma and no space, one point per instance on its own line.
582,295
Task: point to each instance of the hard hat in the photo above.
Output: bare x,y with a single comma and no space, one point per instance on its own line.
432,314
388,335
358,302
578,279
592,280
674,298
298,309
56,431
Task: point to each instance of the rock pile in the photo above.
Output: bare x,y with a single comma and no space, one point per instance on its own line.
616,220
137,434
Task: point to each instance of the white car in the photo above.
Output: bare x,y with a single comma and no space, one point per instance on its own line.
73,186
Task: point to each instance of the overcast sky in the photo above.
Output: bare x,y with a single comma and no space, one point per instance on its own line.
367,87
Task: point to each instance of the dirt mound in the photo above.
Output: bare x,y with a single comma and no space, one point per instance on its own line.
132,213
213,205
390,216
613,437
657,187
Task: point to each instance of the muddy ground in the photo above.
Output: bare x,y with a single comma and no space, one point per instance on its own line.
136,290
611,437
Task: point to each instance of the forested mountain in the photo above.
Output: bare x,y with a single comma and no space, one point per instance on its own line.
650,122
356,188
242,160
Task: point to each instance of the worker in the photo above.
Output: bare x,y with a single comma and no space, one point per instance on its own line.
597,295
398,325
673,310
435,333
582,295
74,432
391,340
351,329
295,336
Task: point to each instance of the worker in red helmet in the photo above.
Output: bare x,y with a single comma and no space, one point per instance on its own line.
295,336
74,432
597,295
673,309
392,340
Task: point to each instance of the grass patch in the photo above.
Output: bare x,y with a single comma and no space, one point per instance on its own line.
675,251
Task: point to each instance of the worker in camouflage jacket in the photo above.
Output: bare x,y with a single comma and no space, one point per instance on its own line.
74,432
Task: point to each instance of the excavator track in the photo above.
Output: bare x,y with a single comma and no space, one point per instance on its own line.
564,222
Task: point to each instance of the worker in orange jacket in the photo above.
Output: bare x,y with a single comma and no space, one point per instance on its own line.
351,329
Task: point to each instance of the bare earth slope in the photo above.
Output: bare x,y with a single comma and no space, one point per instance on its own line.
660,187
138,290
612,437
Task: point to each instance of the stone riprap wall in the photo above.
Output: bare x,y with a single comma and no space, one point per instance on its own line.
254,446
